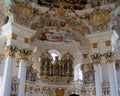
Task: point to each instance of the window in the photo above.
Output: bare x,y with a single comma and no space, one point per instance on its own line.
78,76
54,53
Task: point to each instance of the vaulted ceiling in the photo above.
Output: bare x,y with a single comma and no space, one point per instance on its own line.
57,24
60,28
74,4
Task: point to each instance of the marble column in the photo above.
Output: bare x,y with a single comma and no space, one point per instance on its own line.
96,58
8,69
22,71
112,73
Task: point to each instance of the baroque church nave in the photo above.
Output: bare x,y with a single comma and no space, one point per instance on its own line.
59,48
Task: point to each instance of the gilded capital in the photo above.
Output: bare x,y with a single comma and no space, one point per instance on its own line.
110,57
10,50
96,58
24,53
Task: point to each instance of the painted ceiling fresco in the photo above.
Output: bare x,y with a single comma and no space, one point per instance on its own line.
60,24
58,27
117,21
55,35
74,4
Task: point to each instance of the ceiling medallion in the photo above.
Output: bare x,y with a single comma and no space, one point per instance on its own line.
99,19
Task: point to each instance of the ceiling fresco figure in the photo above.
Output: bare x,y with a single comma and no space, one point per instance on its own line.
52,35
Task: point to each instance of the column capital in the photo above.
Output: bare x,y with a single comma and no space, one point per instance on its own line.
96,58
110,56
10,50
24,53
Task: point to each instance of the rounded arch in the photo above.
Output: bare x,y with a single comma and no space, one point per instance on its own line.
55,53
78,75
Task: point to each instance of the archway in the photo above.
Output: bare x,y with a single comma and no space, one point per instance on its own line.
54,53
78,75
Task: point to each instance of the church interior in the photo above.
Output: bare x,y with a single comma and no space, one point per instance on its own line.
59,48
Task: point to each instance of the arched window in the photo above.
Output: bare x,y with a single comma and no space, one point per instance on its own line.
78,75
54,53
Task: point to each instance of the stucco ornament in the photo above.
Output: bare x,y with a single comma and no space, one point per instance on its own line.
110,56
96,58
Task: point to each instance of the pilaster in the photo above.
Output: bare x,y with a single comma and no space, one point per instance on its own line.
96,60
17,37
105,45
110,61
8,70
23,57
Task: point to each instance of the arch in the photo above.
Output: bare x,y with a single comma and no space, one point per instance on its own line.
78,76
55,53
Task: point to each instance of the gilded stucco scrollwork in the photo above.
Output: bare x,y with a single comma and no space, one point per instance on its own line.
23,54
10,50
110,57
96,58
